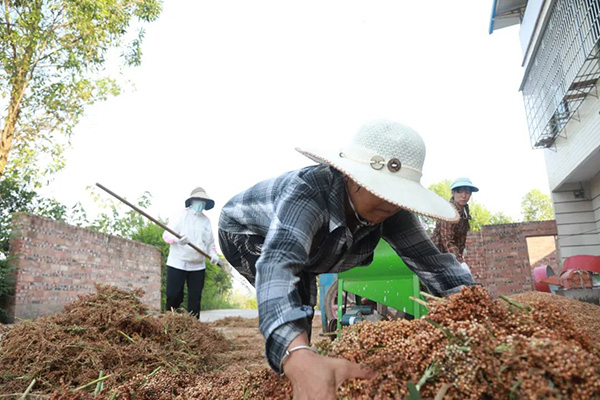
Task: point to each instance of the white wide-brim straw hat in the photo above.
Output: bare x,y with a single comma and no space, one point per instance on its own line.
199,193
386,158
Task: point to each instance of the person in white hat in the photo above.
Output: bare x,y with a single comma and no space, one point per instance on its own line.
452,237
281,233
184,263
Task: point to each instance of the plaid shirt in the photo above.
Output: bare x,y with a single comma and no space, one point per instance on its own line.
301,215
451,237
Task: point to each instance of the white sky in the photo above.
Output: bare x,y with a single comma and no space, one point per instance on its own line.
227,89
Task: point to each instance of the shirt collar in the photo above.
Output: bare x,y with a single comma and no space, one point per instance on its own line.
337,201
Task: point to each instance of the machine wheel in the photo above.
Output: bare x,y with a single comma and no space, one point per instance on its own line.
330,306
331,327
331,297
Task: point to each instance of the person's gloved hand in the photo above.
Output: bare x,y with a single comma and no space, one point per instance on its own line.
182,240
215,260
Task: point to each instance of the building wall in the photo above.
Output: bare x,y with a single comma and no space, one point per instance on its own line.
499,255
579,140
595,196
56,262
578,219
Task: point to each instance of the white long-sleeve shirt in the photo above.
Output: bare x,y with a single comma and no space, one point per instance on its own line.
197,228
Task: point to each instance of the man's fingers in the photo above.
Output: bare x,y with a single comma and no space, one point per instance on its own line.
363,373
354,370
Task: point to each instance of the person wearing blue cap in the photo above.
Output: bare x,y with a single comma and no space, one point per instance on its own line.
451,237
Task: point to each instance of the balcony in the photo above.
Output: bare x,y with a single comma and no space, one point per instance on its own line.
564,69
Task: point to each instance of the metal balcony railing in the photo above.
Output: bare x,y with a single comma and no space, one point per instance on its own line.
564,69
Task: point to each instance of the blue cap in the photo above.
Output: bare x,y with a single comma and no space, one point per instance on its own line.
462,182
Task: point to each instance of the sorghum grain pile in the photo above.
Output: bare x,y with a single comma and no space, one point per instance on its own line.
110,332
584,315
475,347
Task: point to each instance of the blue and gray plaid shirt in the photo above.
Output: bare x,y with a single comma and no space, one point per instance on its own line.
301,215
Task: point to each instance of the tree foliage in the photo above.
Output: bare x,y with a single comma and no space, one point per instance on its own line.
442,188
537,206
16,196
52,61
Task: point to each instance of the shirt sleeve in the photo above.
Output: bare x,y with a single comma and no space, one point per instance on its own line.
440,272
210,246
174,226
448,237
298,214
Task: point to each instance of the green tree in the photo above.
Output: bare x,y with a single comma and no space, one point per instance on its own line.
500,218
52,65
442,189
16,196
480,216
115,221
537,206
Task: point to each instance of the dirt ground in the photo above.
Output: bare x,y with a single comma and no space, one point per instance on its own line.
249,344
469,346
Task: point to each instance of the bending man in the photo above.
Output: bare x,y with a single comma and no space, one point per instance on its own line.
281,233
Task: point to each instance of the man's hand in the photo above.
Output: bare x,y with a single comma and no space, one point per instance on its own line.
317,377
214,259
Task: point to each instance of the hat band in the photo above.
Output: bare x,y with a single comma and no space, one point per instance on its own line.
390,165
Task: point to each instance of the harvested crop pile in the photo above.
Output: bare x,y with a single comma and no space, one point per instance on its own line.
3,330
110,333
263,384
475,348
585,315
469,346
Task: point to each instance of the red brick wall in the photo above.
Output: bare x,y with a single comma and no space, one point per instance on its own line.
56,262
499,255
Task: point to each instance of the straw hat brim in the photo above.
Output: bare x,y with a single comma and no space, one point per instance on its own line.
404,193
210,203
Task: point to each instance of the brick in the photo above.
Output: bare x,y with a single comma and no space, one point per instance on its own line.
58,262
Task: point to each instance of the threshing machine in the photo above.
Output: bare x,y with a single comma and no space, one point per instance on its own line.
370,293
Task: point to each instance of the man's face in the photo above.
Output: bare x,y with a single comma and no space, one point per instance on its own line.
368,206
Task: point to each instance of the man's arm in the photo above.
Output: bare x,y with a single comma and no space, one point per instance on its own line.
440,272
298,215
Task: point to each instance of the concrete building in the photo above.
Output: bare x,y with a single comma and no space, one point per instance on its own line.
560,41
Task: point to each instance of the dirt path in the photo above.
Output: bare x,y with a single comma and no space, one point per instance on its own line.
248,354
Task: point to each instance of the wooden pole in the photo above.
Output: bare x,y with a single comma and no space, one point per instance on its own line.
166,228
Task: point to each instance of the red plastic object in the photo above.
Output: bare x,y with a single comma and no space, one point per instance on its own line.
576,279
582,262
540,273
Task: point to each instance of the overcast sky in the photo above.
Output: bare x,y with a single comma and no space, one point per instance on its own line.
227,89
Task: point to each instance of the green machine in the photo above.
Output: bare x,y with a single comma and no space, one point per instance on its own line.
388,282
